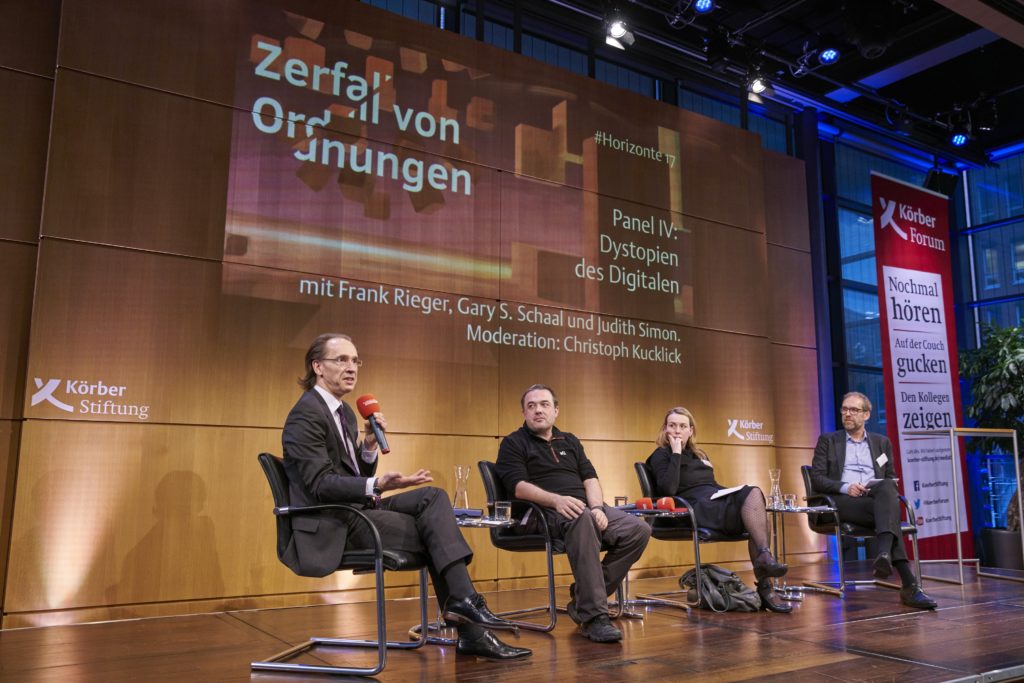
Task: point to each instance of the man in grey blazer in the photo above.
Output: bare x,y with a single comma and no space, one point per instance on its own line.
843,464
326,463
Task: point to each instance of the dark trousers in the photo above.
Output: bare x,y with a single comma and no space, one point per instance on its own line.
421,521
625,539
878,510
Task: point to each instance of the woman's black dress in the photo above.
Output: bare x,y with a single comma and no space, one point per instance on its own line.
688,476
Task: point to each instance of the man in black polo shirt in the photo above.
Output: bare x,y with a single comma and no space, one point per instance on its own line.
549,467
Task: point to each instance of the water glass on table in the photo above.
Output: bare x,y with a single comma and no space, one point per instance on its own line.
789,501
503,510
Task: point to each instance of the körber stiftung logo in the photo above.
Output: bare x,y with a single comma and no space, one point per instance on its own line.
913,218
99,398
747,430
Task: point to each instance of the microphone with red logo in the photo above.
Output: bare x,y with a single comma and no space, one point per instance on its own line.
367,406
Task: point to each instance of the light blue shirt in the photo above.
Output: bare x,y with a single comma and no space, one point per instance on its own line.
858,467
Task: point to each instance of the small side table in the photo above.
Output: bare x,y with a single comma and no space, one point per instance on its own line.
786,592
436,629
661,599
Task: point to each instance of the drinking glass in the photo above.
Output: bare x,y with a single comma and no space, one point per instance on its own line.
503,510
790,501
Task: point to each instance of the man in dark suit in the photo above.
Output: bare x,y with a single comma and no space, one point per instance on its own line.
843,464
326,463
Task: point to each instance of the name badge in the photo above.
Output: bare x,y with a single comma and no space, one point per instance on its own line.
882,459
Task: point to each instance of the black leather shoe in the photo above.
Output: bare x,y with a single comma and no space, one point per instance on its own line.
883,566
474,610
766,565
913,596
769,599
570,607
487,645
600,630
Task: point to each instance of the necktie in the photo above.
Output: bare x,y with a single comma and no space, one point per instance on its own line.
349,448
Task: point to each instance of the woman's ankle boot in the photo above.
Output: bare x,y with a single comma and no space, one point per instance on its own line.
769,598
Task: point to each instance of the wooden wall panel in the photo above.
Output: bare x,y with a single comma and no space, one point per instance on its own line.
800,540
720,377
28,35
10,434
136,168
785,201
164,328
165,272
795,393
156,513
730,272
181,47
721,174
17,278
727,381
25,114
790,297
204,51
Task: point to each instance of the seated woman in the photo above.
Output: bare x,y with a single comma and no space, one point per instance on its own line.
682,469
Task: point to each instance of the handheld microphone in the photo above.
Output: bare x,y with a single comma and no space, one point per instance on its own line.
367,406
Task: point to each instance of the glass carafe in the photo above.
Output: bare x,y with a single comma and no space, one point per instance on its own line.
775,495
460,499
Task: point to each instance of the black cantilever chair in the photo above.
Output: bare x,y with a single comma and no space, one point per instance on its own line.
507,539
828,524
375,560
686,528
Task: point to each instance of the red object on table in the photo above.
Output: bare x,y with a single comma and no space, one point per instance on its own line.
644,504
666,503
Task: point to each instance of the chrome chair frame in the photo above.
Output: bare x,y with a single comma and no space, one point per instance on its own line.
375,559
671,530
504,539
820,524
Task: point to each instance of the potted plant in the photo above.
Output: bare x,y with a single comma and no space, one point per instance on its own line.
995,371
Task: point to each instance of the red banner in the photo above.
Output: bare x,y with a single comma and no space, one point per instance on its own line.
919,357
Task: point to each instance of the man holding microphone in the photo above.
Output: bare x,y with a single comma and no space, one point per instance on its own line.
326,463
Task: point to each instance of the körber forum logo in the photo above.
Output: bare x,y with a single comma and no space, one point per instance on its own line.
91,398
913,219
748,430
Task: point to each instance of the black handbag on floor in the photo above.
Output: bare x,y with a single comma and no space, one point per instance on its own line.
721,590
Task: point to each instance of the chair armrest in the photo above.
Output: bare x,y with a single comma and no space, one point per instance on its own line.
909,510
378,546
819,518
820,499
537,511
692,516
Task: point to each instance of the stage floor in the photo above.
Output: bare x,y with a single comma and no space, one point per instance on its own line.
976,634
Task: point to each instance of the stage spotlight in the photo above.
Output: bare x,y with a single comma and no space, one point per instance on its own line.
616,28
703,6
817,52
757,84
960,122
828,55
617,32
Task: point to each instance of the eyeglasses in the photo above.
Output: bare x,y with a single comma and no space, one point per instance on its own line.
345,360
846,410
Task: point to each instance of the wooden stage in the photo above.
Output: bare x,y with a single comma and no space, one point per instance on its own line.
977,634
